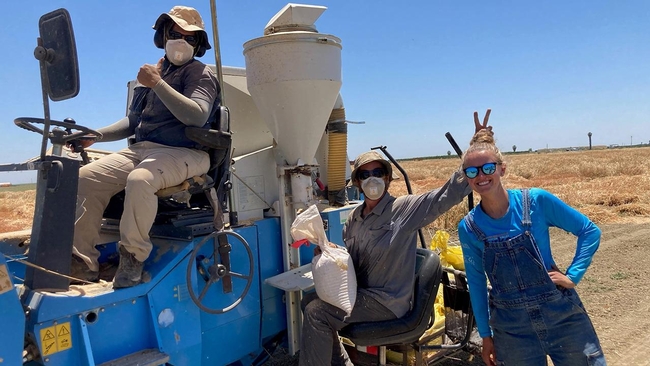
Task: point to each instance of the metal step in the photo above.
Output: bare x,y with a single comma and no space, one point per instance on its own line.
147,357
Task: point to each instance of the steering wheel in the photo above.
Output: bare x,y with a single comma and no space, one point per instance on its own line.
28,123
210,270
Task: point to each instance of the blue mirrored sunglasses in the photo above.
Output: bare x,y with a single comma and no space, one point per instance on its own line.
192,40
365,174
487,169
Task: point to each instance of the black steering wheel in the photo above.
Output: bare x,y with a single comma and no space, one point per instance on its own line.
29,123
211,271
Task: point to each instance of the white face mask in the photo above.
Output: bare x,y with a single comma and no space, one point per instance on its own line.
373,187
178,51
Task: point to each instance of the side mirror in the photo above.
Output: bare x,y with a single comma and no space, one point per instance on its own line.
57,52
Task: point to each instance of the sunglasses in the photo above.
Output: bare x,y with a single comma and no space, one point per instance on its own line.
192,40
377,172
487,169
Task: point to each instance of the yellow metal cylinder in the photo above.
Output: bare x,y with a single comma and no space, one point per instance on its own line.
337,156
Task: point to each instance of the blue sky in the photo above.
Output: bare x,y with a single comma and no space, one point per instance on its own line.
551,71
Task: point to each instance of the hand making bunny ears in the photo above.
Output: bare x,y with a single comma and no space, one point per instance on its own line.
477,124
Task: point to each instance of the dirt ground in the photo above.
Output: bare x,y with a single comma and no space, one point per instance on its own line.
615,291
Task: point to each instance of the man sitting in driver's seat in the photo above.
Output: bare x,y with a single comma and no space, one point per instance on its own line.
177,93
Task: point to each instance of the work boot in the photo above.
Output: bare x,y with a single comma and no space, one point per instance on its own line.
80,270
129,272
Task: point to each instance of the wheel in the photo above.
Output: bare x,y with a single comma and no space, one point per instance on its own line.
29,123
211,271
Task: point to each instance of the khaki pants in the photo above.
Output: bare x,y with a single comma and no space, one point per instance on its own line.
141,169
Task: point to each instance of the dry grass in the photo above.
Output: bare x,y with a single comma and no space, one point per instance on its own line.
609,186
16,210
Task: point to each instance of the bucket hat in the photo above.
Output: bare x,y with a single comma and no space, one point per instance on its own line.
369,157
189,20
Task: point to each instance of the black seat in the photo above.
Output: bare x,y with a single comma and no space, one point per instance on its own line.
410,327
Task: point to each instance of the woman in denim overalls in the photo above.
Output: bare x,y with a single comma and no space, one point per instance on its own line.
534,310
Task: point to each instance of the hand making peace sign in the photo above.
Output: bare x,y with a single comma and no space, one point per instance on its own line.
477,124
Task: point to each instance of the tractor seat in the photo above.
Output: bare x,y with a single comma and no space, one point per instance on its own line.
410,327
192,185
218,140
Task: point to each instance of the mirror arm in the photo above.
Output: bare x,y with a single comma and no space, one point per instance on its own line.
45,54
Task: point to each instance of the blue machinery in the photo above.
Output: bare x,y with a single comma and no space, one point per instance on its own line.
156,321
206,298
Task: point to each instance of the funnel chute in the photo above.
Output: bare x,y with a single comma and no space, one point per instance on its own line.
294,77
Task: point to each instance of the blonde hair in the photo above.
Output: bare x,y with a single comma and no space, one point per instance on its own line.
483,140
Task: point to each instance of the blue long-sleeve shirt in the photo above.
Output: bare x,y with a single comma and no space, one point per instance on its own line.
546,211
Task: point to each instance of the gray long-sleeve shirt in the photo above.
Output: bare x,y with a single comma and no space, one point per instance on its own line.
382,244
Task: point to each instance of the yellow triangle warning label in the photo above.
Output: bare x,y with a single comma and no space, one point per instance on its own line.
48,335
63,331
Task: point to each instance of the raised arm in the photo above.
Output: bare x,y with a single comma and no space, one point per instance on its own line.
193,106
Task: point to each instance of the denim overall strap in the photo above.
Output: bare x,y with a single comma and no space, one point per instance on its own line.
469,221
526,221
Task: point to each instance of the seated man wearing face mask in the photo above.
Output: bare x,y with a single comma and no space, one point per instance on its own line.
176,93
381,238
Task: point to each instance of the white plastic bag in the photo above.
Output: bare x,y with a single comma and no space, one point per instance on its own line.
332,270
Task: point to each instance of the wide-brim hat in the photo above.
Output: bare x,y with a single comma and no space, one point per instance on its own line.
189,20
369,157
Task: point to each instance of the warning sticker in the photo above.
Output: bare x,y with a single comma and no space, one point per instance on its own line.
48,340
5,281
55,339
63,339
